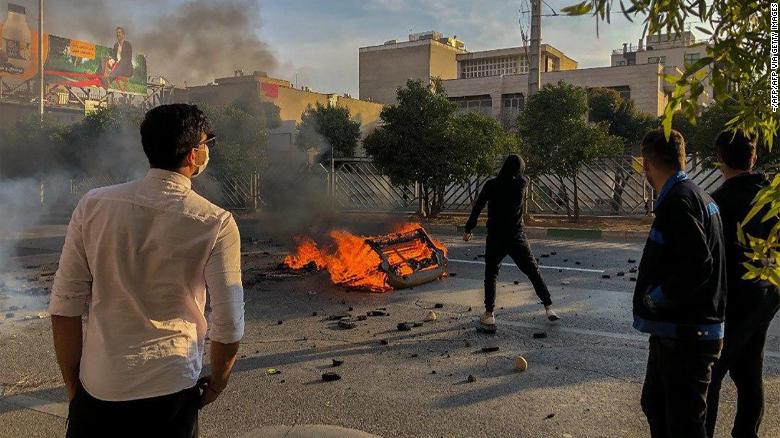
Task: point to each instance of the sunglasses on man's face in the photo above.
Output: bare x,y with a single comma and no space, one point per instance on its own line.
210,141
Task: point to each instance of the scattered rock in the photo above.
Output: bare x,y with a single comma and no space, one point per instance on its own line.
469,309
621,274
431,316
376,313
490,349
433,372
313,313
549,416
633,270
414,355
338,362
362,317
272,371
517,282
606,276
404,326
521,364
540,335
471,378
350,308
346,325
631,261
279,322
438,306
565,282
330,377
632,279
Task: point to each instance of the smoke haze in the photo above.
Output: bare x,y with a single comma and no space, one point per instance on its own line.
189,42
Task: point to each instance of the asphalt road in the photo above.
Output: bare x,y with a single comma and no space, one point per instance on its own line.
584,378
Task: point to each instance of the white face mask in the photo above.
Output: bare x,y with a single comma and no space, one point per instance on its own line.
202,167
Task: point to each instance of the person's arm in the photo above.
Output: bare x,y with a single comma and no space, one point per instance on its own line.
67,345
226,293
70,292
478,206
693,264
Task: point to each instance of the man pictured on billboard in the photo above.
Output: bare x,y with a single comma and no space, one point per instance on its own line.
121,62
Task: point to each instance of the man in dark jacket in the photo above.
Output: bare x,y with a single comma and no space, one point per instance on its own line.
751,303
505,198
680,293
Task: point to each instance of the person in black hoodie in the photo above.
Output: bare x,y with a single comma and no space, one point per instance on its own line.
680,293
752,304
505,198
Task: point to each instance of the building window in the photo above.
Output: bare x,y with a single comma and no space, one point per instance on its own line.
691,58
482,104
622,62
657,60
511,107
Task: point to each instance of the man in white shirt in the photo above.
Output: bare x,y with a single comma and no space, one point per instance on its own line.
140,256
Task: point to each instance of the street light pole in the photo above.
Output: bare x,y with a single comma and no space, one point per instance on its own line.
41,84
534,75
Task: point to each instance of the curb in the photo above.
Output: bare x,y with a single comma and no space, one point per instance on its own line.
556,233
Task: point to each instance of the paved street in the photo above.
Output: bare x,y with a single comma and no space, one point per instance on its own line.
584,378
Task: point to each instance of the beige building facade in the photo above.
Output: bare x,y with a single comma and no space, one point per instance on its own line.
292,102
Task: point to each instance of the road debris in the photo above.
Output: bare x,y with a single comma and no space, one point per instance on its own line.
404,326
272,371
438,306
490,349
330,377
346,325
376,313
549,416
521,364
431,316
338,362
471,378
540,335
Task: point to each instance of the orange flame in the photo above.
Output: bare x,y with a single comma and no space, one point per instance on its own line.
354,264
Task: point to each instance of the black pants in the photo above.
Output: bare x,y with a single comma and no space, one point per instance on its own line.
516,246
674,395
173,415
743,359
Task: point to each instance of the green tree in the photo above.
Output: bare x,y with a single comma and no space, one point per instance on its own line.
30,149
556,137
242,137
328,129
625,121
422,140
736,66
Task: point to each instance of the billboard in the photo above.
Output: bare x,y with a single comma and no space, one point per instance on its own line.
68,62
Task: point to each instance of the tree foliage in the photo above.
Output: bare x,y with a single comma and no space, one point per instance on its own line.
556,137
736,66
423,140
625,121
328,129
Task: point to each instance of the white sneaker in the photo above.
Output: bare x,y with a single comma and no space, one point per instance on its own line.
552,317
488,319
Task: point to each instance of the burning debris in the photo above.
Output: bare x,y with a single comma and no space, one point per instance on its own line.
404,258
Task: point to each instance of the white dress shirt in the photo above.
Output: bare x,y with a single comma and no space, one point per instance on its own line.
141,254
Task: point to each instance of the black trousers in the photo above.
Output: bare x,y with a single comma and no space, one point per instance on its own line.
515,246
674,395
173,415
743,359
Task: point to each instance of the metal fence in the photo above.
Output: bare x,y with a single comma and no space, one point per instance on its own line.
608,187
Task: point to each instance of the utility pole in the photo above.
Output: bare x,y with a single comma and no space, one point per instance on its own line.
534,61
41,84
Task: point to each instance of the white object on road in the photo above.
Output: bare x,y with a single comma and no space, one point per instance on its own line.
521,364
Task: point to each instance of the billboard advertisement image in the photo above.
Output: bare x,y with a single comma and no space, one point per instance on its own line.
68,62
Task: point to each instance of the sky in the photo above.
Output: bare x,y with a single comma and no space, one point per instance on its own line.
315,42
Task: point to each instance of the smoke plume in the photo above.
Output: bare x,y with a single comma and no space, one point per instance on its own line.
193,43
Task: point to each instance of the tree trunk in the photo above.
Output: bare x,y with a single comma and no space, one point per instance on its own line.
622,175
576,200
564,195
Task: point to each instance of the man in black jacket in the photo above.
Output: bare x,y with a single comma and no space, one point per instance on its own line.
751,303
121,61
680,293
505,198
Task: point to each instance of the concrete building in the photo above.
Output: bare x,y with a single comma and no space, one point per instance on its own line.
384,68
495,82
292,102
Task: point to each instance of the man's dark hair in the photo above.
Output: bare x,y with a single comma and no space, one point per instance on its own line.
736,149
169,132
669,154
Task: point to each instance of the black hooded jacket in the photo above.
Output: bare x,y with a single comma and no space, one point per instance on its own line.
734,198
505,199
